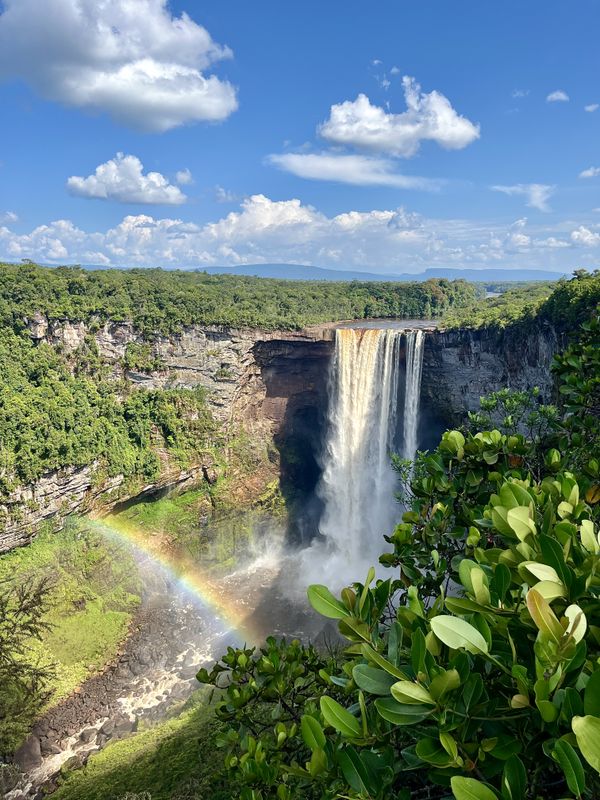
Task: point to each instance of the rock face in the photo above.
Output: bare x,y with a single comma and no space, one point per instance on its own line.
461,366
275,385
249,377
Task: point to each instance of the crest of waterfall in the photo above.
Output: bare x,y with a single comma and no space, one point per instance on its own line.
412,393
358,483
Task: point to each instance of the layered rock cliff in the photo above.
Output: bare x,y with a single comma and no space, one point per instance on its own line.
274,386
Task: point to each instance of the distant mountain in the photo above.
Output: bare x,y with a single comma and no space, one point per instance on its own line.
299,272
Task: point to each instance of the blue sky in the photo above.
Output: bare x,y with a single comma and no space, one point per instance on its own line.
140,132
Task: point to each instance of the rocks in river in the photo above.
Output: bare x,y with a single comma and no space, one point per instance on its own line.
87,735
49,748
107,728
29,755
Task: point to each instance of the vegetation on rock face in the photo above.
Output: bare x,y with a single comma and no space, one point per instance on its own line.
159,301
57,412
475,670
66,602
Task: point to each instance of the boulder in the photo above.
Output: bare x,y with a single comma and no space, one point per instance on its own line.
29,755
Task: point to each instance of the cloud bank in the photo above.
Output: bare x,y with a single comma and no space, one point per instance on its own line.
271,231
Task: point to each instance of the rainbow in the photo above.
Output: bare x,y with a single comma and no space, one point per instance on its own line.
203,590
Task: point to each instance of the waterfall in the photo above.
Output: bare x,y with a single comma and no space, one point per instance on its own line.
357,485
412,392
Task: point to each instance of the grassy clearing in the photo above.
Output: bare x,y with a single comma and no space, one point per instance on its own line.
94,594
174,760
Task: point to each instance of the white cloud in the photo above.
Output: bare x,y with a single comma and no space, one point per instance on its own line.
592,107
395,71
225,195
558,96
537,194
585,236
358,123
129,58
184,177
287,231
123,179
517,94
590,172
8,217
358,170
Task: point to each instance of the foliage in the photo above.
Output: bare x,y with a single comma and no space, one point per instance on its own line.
81,594
160,301
564,304
52,416
140,357
23,679
474,670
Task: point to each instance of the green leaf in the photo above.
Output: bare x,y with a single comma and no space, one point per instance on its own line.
571,766
553,555
372,679
456,633
318,763
433,752
401,713
411,693
543,616
375,658
519,519
325,603
355,772
591,696
514,779
501,580
339,718
312,732
470,789
443,683
587,733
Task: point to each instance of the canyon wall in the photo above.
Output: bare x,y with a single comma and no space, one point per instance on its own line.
275,386
250,378
460,366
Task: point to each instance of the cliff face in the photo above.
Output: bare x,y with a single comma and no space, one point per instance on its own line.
461,366
274,385
250,378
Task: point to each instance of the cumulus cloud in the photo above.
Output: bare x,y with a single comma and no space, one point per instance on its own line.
585,236
184,177
129,58
123,179
591,107
429,116
590,172
288,231
537,194
8,217
358,170
558,96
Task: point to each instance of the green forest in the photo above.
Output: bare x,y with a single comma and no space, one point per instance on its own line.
161,301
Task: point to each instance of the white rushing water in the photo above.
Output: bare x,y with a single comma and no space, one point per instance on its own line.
358,482
412,392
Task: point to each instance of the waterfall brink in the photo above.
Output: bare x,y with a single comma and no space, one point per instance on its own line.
412,394
357,485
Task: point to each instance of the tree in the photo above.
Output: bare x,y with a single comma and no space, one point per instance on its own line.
23,679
